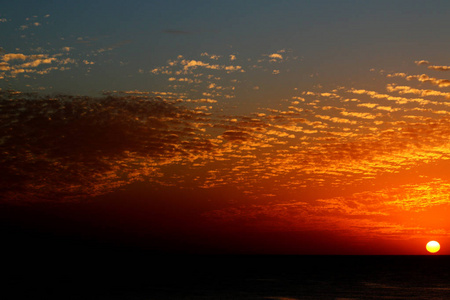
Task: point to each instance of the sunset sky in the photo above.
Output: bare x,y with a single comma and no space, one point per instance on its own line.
281,127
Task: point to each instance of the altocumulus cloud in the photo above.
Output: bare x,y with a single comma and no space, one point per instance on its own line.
73,146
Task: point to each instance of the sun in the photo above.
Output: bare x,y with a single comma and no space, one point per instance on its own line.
433,246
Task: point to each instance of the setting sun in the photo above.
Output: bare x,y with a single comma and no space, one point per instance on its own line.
433,246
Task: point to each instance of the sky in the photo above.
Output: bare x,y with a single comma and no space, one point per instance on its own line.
236,127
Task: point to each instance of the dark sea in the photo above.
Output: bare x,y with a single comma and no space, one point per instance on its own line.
140,276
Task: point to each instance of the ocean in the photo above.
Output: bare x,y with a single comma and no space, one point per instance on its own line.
275,277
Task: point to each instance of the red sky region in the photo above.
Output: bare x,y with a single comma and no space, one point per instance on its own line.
167,222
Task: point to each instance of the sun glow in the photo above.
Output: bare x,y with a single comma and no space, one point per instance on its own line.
433,246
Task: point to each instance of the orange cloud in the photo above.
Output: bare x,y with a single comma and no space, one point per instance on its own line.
422,62
409,90
434,81
31,64
439,68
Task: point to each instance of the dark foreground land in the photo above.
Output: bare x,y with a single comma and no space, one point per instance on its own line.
134,275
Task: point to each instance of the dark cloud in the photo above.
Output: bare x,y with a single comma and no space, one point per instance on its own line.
236,136
67,145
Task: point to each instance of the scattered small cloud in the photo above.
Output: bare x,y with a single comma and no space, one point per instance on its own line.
276,56
422,62
432,67
439,68
13,64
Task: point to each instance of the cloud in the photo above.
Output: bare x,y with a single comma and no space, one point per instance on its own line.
421,62
18,56
276,56
87,146
432,67
423,78
211,56
198,74
420,92
439,68
426,79
358,115
18,63
236,136
335,119
37,62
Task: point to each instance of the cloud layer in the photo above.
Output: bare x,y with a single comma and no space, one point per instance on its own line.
316,159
